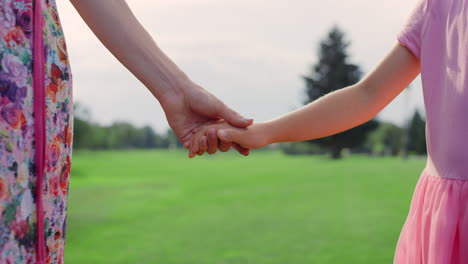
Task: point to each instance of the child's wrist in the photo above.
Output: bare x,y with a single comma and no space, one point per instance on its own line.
268,131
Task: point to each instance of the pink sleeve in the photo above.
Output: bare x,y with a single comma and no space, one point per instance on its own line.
411,34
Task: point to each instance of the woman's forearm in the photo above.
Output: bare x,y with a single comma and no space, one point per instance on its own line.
330,114
117,28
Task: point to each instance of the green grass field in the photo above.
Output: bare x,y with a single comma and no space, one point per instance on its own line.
160,207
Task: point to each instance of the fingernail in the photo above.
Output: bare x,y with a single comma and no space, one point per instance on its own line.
247,119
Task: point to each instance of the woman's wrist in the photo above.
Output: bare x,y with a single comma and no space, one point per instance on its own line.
166,80
177,88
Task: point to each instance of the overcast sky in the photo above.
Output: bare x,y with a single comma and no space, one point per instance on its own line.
249,53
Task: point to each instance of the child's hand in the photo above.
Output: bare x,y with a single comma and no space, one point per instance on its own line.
198,144
241,139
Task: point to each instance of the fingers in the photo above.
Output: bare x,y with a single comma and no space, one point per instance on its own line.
225,139
224,146
227,135
187,144
203,142
191,153
187,139
233,136
241,150
212,141
193,148
203,146
232,117
220,136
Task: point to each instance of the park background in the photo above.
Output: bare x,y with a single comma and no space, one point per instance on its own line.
136,198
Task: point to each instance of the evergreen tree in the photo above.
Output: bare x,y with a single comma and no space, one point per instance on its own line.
417,135
331,73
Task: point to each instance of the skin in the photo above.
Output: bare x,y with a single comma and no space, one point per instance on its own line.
331,114
210,129
187,106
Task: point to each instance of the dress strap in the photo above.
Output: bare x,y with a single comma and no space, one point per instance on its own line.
39,124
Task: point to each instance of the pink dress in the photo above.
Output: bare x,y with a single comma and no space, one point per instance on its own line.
436,230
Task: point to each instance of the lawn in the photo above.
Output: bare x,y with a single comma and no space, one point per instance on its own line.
160,207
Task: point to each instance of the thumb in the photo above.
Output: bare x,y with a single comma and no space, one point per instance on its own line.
227,135
233,118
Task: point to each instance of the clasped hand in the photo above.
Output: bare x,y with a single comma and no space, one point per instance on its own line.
196,117
205,137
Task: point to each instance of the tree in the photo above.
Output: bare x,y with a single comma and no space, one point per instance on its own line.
81,127
172,140
386,139
417,135
118,135
331,73
150,138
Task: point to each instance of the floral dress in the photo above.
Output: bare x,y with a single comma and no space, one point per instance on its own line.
36,130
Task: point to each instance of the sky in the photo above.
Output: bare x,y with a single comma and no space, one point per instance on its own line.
249,53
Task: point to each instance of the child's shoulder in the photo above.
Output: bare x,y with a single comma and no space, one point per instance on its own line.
442,8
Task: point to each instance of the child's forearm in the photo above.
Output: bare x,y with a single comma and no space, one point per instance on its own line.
333,113
350,106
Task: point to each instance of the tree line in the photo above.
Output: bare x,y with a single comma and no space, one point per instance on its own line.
386,139
119,135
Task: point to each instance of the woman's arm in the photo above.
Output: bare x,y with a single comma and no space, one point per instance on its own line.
337,111
117,28
186,104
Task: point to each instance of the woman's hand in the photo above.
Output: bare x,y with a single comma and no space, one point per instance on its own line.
195,107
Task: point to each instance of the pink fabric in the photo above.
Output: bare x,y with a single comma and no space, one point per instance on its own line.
39,124
437,34
436,230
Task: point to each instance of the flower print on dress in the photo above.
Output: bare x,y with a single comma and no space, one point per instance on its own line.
53,153
4,234
21,4
3,188
7,17
9,92
14,70
15,37
65,176
54,186
14,117
24,19
19,227
26,205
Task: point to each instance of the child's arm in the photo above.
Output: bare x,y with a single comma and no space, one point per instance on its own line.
335,112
